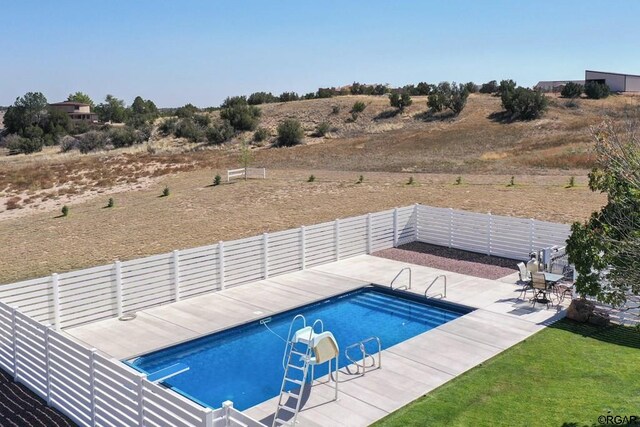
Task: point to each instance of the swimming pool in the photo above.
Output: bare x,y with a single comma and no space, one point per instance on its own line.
244,364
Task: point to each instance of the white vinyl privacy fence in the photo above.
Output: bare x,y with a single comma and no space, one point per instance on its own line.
96,390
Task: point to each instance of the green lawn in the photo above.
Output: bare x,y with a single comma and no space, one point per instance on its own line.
566,375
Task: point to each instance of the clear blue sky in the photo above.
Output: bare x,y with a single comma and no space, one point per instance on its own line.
175,52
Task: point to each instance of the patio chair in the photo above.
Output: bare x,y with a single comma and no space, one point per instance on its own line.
539,285
525,280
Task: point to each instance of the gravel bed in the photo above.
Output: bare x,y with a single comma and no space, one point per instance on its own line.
20,407
455,260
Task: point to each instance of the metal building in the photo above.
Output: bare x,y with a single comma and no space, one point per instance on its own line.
617,82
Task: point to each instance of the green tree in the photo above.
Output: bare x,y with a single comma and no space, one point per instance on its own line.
458,100
112,110
82,98
450,96
595,90
290,133
400,101
489,87
245,156
524,103
187,110
572,90
240,114
606,249
26,111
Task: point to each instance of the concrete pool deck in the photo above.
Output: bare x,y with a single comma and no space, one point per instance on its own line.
409,369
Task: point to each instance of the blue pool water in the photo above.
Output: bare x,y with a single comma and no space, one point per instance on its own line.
244,364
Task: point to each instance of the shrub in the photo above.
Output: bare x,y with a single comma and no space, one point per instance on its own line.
458,180
572,182
572,103
400,101
65,210
168,126
325,92
111,203
18,144
124,137
187,111
219,133
261,134
489,87
311,178
92,141
13,203
358,107
288,97
450,96
188,129
572,90
240,114
80,128
360,179
217,180
335,109
471,87
322,129
595,90
411,181
68,143
166,192
512,182
290,133
506,86
202,120
524,104
258,98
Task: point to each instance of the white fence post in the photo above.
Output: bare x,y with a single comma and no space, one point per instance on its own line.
531,233
221,263
208,417
369,233
395,227
450,227
416,210
227,405
176,274
14,343
489,226
265,254
336,232
55,283
303,248
140,396
92,385
118,267
47,363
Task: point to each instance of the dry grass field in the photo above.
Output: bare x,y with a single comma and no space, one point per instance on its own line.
142,223
385,147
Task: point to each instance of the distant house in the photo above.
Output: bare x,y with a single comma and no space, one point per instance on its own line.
554,85
77,111
617,82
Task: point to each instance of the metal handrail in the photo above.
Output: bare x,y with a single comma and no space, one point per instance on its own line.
363,351
398,275
444,295
286,346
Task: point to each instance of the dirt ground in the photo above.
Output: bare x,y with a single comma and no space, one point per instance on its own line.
195,213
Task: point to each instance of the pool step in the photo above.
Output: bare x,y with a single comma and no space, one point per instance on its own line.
410,312
399,303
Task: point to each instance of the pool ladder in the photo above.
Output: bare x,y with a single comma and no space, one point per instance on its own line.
363,351
441,295
289,365
398,275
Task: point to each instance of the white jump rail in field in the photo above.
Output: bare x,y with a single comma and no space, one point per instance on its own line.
246,173
95,390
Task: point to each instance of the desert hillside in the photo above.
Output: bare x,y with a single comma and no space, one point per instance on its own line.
380,139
